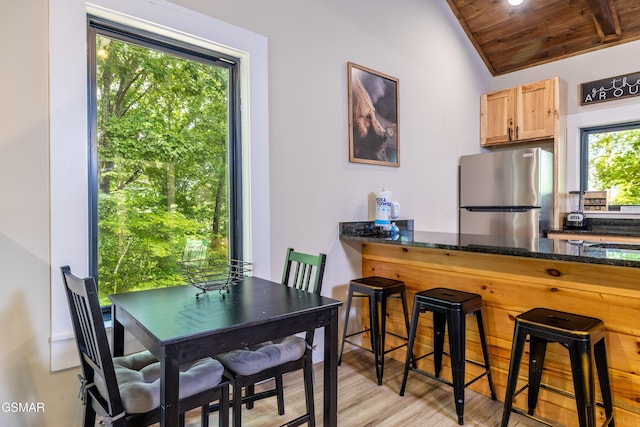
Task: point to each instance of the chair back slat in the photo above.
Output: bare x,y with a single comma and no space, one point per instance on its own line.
302,277
308,271
308,274
91,335
90,351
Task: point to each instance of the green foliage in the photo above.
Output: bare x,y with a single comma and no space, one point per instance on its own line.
162,164
614,165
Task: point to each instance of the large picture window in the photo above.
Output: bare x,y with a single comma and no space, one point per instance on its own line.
610,161
165,171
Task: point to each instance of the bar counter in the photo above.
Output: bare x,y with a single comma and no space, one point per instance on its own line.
592,251
582,277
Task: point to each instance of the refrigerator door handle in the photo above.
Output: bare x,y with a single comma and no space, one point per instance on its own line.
500,209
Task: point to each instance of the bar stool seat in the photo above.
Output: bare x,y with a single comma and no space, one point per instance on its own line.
584,337
378,290
450,307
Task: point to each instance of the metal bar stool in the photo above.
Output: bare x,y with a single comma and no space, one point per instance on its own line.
449,307
378,290
584,337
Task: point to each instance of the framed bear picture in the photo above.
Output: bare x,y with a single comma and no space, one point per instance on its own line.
373,117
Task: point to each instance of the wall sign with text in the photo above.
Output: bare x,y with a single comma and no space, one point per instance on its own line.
610,89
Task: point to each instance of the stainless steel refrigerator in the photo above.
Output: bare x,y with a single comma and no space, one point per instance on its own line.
506,196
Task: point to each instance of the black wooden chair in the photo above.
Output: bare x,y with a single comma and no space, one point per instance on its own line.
246,367
125,391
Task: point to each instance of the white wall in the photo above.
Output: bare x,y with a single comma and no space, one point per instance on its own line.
312,184
24,223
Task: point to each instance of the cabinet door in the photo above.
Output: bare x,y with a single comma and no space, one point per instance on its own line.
496,117
534,110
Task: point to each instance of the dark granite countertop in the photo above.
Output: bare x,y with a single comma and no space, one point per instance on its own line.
606,227
618,233
625,255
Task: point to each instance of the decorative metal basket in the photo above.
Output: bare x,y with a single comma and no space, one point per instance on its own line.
214,273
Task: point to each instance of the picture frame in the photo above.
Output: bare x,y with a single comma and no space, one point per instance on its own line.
374,116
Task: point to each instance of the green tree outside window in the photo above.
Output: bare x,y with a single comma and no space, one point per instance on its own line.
162,162
613,163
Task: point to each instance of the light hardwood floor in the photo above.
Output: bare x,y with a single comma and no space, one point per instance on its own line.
361,402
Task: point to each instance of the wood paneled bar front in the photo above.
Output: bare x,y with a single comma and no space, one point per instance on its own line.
512,281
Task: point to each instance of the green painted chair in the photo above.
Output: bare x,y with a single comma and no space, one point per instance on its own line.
246,367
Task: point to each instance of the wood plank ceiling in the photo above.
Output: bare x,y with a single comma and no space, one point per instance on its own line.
510,38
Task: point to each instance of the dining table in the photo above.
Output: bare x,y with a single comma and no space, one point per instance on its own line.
178,327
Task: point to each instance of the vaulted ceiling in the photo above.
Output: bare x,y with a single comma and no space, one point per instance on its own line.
510,38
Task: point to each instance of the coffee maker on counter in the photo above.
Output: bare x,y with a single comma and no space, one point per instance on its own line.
575,220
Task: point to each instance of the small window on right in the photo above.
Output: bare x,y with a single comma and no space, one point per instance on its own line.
610,161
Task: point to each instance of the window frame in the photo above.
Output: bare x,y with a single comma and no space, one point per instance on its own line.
100,26
68,135
584,145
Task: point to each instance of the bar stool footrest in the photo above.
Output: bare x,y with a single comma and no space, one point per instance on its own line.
369,330
554,390
533,417
444,353
442,380
370,350
548,422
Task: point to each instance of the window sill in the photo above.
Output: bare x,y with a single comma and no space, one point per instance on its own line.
612,215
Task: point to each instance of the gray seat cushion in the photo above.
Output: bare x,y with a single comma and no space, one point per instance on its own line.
265,355
138,378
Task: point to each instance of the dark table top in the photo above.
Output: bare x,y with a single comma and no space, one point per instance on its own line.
626,255
172,313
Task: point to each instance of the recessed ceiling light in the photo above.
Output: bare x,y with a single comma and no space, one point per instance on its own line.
515,2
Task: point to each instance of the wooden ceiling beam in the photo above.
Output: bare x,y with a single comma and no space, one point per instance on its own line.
606,19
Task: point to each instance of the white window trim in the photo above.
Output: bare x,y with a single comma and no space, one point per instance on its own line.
68,133
587,118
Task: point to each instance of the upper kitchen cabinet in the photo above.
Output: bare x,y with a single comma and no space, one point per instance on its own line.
525,113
